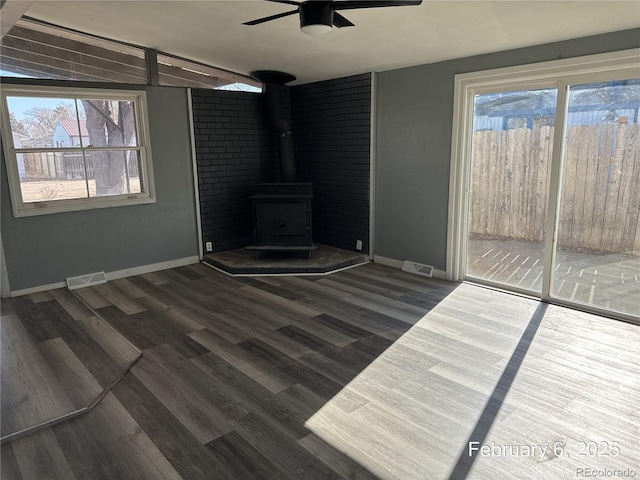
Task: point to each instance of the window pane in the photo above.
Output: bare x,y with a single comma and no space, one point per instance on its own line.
40,122
510,167
47,176
34,50
48,190
177,72
115,173
598,249
108,123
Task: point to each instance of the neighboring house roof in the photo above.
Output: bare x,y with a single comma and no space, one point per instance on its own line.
37,143
19,139
71,127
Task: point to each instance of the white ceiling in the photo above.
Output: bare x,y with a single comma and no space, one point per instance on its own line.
211,31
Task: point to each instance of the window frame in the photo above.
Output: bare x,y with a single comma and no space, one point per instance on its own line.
25,209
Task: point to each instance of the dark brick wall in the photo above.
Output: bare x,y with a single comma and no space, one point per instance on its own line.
235,150
332,135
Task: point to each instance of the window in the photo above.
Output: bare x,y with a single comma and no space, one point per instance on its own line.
32,49
543,173
178,72
75,149
35,50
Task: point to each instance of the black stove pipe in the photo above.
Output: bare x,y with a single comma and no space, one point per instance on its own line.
274,85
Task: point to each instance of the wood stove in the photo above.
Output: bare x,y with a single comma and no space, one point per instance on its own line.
282,218
281,211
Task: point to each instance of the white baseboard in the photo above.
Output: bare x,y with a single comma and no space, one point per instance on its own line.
154,267
39,288
392,262
127,272
441,274
389,262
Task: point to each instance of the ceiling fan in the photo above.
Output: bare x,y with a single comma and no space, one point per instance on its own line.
319,16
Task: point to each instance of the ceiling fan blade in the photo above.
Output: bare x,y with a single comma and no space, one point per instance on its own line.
339,21
286,2
354,4
272,17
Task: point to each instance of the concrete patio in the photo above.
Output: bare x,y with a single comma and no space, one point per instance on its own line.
602,279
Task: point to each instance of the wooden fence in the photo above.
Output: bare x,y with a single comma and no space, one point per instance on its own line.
41,165
65,166
600,199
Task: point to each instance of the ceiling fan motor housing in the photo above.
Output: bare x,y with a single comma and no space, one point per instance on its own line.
316,13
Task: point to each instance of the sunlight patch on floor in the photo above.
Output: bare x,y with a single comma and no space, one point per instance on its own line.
410,413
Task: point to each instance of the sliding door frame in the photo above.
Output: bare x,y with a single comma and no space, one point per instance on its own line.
559,74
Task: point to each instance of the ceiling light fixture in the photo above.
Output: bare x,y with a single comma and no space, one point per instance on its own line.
316,18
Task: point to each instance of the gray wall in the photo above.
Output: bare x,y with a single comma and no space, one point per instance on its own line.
48,248
414,112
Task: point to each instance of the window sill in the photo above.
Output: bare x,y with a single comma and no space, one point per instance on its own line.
76,205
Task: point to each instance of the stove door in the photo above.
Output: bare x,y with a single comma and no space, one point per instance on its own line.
280,219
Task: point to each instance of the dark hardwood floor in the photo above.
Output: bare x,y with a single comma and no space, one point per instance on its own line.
57,357
368,373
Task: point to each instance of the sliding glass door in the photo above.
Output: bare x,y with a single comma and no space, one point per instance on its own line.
597,255
558,218
510,165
